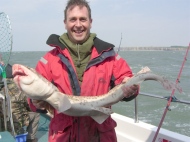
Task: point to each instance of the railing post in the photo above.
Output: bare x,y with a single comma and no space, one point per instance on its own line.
136,112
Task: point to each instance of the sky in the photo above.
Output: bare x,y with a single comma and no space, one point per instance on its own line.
134,23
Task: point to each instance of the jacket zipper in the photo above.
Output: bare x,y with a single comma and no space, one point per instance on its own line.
79,59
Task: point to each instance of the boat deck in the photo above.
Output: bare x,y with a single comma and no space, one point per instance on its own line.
42,133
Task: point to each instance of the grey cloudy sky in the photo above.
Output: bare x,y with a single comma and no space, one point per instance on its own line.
141,22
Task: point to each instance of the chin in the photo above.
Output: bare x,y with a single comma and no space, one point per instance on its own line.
80,40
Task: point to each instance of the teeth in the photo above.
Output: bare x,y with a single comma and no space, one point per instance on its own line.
78,31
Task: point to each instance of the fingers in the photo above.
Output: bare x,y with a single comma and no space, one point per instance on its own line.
39,104
134,88
130,90
43,105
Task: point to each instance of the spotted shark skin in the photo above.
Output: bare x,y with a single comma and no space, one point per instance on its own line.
97,107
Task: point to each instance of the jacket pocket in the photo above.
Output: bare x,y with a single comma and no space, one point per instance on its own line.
107,125
60,123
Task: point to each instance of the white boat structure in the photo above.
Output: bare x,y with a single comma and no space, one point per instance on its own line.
128,130
133,130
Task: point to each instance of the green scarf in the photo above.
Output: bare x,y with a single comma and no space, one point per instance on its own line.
80,53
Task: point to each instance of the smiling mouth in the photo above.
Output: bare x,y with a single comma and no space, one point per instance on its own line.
78,31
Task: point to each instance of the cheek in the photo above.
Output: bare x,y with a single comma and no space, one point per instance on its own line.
69,26
66,26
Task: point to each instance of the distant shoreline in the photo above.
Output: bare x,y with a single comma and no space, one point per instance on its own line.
151,48
172,48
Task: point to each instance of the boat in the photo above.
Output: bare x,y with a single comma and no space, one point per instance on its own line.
133,130
127,130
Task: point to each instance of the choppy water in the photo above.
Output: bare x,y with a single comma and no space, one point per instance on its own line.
150,110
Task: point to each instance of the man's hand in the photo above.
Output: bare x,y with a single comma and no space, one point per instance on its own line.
39,104
129,90
43,105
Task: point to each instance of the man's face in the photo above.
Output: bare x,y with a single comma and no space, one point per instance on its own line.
78,24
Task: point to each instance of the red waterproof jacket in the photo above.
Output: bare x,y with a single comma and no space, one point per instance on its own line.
104,68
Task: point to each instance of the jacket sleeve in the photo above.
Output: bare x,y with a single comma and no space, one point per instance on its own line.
121,70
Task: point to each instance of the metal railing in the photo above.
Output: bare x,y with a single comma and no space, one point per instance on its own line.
174,99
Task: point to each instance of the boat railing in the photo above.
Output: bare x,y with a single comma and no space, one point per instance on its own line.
174,99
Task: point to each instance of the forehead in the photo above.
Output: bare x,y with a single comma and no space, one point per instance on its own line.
77,11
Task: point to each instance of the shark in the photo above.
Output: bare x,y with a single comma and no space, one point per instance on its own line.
35,86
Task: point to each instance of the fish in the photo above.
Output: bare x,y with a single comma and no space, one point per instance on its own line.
97,107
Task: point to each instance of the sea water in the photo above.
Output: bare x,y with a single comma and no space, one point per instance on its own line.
150,110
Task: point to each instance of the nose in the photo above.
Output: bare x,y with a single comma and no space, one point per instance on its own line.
78,23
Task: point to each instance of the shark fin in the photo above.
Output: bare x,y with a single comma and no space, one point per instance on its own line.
102,115
63,103
144,70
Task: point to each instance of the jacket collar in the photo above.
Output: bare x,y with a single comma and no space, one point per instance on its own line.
99,44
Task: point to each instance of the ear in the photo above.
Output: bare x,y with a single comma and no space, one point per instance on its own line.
91,23
65,24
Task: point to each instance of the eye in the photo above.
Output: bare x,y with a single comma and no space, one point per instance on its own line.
72,19
83,19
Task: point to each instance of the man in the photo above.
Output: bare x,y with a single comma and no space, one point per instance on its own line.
22,115
82,64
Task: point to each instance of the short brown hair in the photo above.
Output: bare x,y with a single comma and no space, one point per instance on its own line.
80,3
